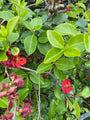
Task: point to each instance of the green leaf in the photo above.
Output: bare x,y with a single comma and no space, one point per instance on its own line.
38,2
70,105
81,23
60,18
61,108
47,84
52,109
3,102
27,24
59,74
71,52
35,78
3,31
66,29
52,55
30,43
87,15
87,41
43,67
44,48
2,38
13,37
23,93
77,42
77,110
64,64
3,53
87,64
57,93
55,39
28,84
6,15
11,25
81,5
43,37
88,28
14,51
36,23
86,92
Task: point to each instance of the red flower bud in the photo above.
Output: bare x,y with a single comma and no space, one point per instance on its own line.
7,116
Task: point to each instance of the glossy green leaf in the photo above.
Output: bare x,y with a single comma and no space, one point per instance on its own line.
81,5
6,15
14,51
3,56
60,18
59,74
86,92
13,37
43,37
88,28
55,39
44,48
11,25
52,55
2,38
87,42
23,93
61,108
71,52
47,84
28,84
87,64
64,64
77,110
36,23
38,2
3,31
3,102
66,29
57,93
52,109
27,24
77,42
43,67
35,78
87,15
30,43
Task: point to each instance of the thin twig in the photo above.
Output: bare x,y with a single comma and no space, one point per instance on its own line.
28,69
53,4
15,106
2,22
83,59
6,72
46,2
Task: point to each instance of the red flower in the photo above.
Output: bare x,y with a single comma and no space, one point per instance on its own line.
66,86
57,1
3,93
4,85
7,116
9,107
12,90
68,9
17,61
25,110
19,82
13,61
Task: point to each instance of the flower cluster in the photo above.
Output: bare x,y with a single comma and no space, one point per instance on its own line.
11,95
66,86
13,61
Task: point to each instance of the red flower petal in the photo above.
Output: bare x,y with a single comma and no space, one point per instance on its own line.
22,61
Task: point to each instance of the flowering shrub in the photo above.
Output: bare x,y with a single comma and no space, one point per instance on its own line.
45,59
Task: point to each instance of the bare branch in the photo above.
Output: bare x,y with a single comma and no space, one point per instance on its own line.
15,106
